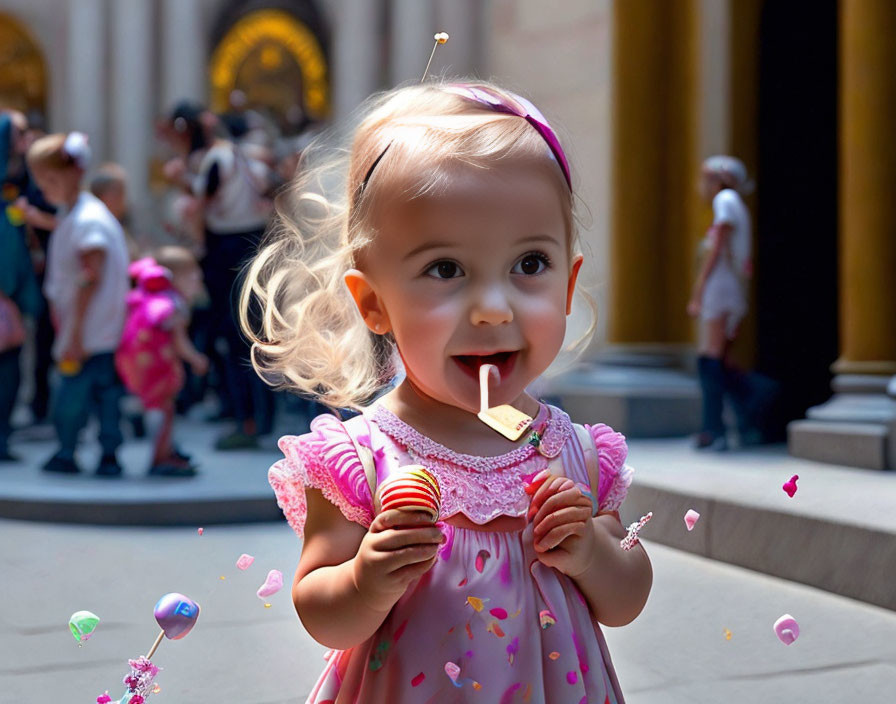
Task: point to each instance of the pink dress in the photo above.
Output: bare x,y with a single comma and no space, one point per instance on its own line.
146,359
488,623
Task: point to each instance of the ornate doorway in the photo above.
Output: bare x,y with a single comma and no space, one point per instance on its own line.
277,63
23,71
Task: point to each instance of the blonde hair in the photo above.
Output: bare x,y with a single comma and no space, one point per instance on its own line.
305,329
49,153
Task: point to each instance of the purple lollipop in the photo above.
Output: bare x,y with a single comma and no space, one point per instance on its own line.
176,614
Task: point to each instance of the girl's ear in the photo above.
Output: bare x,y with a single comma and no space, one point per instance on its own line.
370,306
573,275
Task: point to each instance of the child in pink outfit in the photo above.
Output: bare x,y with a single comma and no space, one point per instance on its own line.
155,344
488,609
454,252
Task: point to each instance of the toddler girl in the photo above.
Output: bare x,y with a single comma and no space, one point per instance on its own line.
453,247
154,344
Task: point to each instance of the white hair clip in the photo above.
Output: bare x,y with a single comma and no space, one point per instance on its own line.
77,148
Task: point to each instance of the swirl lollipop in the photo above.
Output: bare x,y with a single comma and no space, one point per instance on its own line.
412,488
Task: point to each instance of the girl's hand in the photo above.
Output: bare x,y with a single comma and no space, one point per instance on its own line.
562,527
399,547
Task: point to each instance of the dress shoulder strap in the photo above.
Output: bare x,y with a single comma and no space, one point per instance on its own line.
365,455
589,450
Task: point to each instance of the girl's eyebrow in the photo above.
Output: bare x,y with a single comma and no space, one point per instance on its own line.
529,239
425,247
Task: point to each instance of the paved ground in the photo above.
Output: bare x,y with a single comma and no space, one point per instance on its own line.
242,652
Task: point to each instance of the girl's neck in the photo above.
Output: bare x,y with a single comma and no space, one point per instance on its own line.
453,427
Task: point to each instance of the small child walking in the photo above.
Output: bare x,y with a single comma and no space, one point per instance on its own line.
86,284
155,344
452,247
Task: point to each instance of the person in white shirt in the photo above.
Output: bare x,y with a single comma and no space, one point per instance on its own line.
86,285
231,189
719,296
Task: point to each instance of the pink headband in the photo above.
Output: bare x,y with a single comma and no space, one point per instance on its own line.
515,105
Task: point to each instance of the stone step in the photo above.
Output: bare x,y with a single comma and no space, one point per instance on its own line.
837,533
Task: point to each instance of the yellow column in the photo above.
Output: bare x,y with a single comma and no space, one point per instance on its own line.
654,168
743,41
867,185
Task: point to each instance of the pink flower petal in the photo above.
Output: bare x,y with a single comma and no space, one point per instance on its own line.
272,585
245,561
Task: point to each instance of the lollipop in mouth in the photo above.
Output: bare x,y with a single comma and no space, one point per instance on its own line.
504,419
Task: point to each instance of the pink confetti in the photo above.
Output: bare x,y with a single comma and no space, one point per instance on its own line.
245,561
200,530
498,613
790,486
481,559
572,677
272,585
690,518
417,680
452,670
787,629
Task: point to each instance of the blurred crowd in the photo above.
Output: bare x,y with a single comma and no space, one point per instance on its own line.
132,327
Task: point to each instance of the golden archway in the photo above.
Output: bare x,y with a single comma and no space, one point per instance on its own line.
23,71
277,62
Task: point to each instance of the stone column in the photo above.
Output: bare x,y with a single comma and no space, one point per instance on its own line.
867,183
132,85
184,53
743,136
357,54
86,73
413,26
654,209
855,426
639,384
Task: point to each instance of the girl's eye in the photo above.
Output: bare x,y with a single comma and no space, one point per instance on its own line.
444,270
532,264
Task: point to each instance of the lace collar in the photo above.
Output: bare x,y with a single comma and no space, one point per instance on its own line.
553,424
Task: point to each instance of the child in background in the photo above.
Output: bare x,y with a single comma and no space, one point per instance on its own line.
453,247
110,185
86,284
155,344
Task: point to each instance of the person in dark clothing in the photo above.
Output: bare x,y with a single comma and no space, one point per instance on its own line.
230,187
19,291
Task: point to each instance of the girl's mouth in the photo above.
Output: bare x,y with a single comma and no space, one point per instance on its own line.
470,363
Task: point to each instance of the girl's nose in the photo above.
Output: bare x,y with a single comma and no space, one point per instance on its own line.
491,306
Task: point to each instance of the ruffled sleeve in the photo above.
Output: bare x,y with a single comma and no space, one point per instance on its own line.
615,475
324,459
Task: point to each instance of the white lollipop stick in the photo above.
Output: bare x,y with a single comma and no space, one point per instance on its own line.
504,419
485,371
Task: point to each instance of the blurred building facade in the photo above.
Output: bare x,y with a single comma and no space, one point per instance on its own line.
642,90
